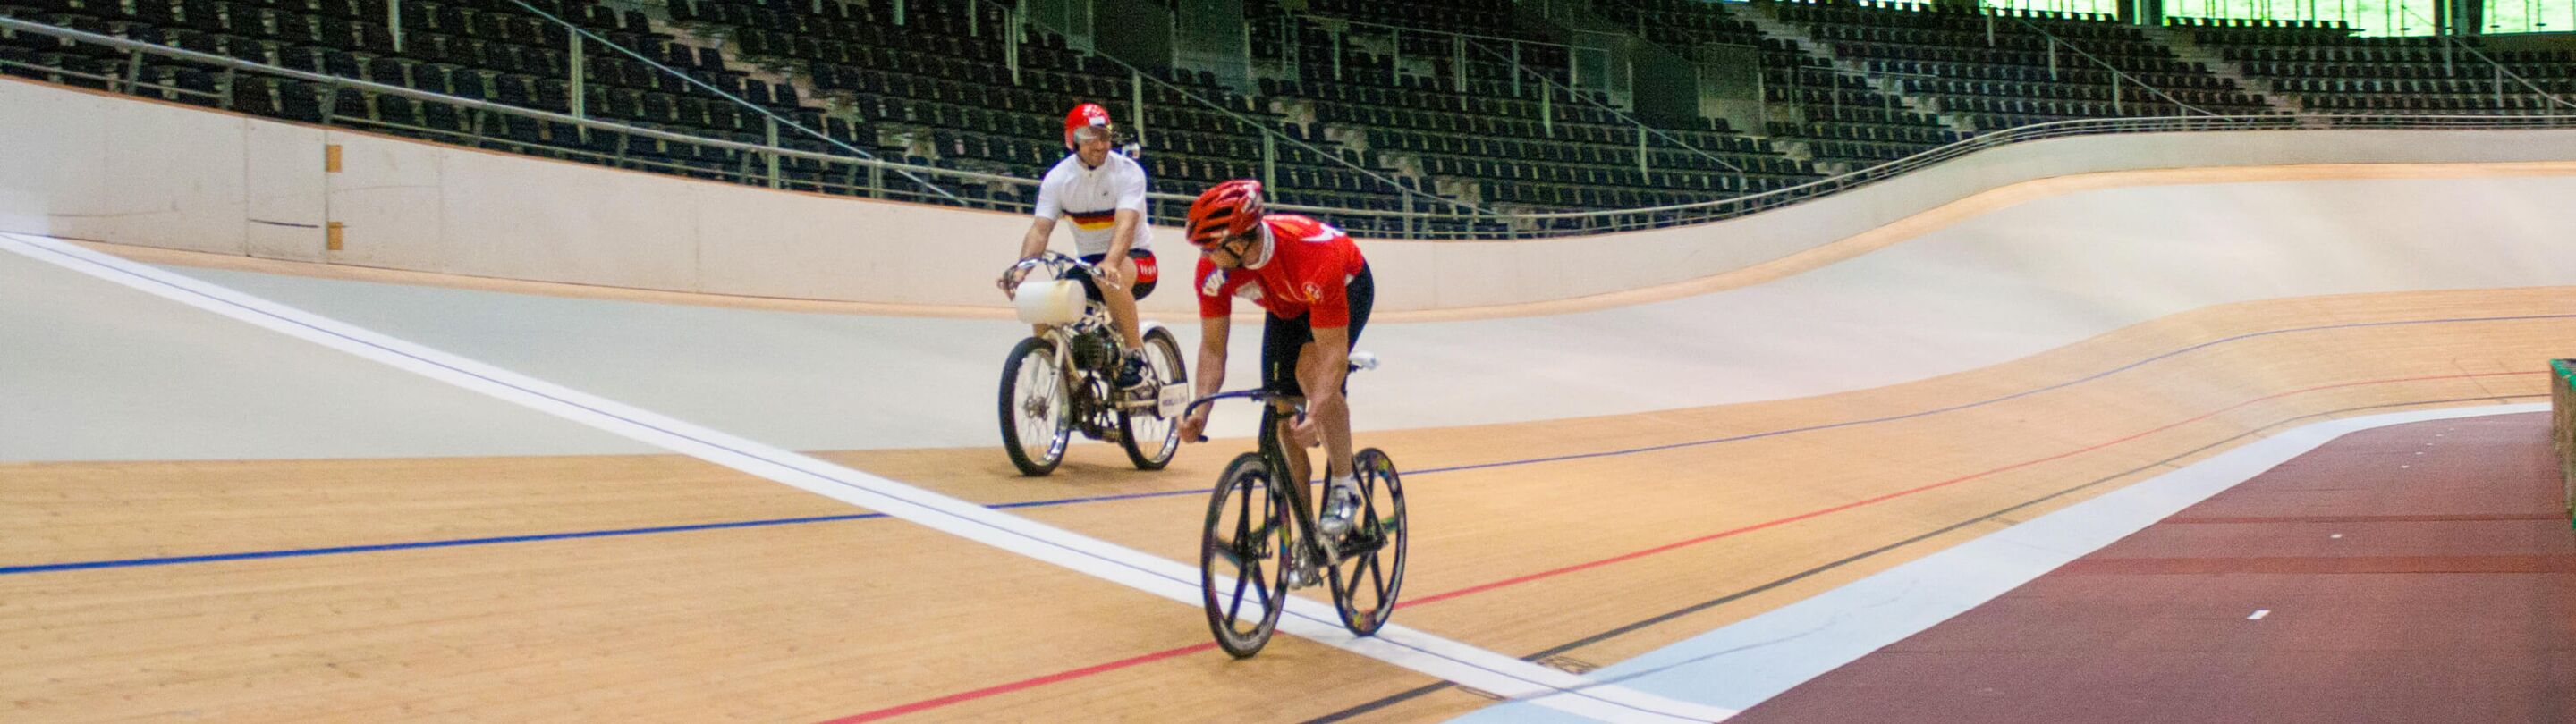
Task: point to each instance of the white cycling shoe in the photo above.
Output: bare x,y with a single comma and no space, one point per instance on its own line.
1341,506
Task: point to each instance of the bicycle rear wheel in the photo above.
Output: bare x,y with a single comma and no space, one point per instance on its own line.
1371,573
1243,563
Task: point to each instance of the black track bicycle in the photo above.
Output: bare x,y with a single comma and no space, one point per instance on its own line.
1261,538
1064,380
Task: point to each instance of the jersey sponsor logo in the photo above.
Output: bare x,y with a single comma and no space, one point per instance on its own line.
1213,285
1250,290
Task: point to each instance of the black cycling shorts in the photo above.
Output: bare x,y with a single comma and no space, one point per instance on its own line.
1143,284
1282,338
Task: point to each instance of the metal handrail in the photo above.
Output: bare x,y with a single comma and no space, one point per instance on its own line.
1399,188
1275,135
1515,225
772,116
2116,73
480,105
1721,209
2500,68
1517,68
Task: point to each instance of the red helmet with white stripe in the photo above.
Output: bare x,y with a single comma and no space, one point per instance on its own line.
1087,115
1223,211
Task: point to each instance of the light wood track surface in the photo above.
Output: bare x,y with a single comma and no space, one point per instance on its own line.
1674,523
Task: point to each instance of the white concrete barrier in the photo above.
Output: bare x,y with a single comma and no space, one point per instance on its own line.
108,168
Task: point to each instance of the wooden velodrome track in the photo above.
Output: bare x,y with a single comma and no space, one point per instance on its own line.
665,588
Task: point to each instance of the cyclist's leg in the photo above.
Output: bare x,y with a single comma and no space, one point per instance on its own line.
1148,272
1334,419
1328,416
1281,341
1090,289
1327,376
1362,295
1120,300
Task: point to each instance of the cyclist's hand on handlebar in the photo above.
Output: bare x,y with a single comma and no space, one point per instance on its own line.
1305,432
1010,281
1109,276
1194,425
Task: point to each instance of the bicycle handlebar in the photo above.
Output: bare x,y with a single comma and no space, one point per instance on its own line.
1359,361
1053,259
1210,401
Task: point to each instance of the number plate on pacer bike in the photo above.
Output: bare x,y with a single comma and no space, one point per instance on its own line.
1172,401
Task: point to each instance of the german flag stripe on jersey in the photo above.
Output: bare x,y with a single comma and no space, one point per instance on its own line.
1093,221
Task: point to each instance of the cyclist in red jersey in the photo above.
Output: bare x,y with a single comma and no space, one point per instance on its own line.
1316,288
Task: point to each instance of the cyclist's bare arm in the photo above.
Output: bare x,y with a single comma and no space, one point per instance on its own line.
1035,242
1113,274
1031,246
1122,231
1122,236
1320,370
1213,333
1212,338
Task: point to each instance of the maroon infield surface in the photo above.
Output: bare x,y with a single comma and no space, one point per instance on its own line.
2413,573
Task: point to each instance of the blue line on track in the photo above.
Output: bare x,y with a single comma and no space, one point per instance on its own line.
301,552
128,563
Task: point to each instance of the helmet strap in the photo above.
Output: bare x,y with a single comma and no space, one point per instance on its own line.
1268,246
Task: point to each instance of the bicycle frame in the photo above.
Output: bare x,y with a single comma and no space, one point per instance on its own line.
1277,409
1365,566
1095,318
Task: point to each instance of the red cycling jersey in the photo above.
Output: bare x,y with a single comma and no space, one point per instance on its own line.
1310,264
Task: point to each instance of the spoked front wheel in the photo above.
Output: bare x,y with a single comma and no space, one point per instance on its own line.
1036,421
1371,573
1243,565
1145,433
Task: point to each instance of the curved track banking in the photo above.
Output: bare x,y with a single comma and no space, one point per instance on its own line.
2012,281
611,584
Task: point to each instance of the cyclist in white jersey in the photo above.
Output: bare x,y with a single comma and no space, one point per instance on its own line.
1103,194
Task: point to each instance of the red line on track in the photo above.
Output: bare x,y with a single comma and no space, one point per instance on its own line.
927,704
1471,590
964,696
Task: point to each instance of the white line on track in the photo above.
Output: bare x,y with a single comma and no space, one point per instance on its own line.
2259,614
1413,649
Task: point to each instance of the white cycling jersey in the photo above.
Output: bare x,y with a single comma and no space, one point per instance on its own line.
1092,197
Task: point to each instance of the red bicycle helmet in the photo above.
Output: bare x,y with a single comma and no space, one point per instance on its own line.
1087,115
1223,211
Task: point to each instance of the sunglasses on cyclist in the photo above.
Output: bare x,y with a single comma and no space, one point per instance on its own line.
1236,249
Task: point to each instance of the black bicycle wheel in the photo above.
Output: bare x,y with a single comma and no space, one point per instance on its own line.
1243,563
1036,423
1371,574
1145,433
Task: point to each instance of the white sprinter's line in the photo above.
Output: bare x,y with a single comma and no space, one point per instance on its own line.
1409,648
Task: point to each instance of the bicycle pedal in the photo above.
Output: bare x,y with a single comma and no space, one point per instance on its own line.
1304,577
1302,571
